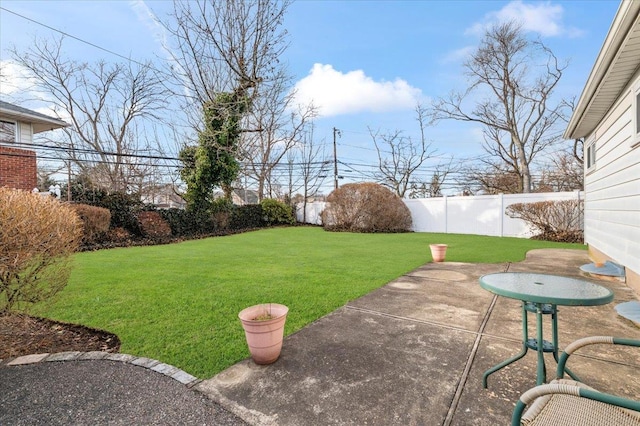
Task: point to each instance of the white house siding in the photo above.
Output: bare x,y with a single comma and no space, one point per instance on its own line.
612,188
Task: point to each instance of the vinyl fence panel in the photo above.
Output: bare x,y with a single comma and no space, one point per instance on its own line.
481,214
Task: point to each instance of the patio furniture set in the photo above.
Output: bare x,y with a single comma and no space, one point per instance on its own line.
562,401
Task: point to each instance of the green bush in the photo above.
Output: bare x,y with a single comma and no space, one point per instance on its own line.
38,235
187,223
95,222
249,216
124,209
221,211
277,213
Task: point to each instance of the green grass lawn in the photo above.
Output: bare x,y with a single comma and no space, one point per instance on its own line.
179,303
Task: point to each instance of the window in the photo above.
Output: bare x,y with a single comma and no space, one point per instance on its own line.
7,131
591,156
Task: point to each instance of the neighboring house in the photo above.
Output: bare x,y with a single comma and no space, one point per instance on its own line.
607,116
164,197
240,197
245,196
17,127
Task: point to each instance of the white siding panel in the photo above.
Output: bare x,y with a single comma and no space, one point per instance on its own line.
622,250
612,189
603,218
619,189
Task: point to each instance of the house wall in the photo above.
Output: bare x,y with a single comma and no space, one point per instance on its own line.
612,190
18,168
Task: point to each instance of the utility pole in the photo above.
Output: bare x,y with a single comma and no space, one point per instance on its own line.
69,172
335,157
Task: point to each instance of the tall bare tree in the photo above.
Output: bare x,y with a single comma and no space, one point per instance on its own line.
109,107
400,156
281,126
514,103
224,46
232,46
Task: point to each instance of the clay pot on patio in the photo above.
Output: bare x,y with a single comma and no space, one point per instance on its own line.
264,329
438,252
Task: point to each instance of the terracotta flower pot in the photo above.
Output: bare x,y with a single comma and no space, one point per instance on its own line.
264,329
438,252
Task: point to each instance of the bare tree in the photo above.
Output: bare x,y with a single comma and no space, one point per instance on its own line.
108,106
309,166
433,188
400,156
233,47
514,107
224,46
563,173
489,177
281,127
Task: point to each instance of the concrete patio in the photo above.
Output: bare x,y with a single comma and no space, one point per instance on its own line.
413,353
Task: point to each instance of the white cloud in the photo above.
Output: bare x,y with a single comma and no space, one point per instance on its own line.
542,17
336,93
149,19
17,86
13,79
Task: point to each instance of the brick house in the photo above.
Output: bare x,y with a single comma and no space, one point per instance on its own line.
17,127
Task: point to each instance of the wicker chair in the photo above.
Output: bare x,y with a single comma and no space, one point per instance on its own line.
567,402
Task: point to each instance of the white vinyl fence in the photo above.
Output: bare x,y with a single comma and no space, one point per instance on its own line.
481,214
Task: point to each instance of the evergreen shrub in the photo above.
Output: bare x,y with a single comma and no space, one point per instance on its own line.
276,212
249,216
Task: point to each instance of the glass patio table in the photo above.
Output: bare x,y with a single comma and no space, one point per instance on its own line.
541,294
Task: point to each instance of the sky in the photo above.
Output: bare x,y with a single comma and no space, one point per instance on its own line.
365,64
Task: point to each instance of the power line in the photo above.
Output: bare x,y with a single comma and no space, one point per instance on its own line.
82,40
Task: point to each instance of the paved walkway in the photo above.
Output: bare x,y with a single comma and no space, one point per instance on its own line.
409,353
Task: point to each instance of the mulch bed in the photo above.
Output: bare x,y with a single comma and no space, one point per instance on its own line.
25,335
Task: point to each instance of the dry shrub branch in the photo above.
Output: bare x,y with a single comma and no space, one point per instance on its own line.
37,237
95,222
366,207
552,220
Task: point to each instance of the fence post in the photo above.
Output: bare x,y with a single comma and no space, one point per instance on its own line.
502,214
446,215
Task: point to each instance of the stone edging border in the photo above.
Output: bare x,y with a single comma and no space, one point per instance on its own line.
151,364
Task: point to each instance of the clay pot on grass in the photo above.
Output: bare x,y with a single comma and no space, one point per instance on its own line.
438,252
264,329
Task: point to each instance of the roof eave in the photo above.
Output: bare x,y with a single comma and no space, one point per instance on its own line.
39,122
622,23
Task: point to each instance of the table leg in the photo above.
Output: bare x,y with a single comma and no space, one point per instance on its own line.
554,328
523,352
542,369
